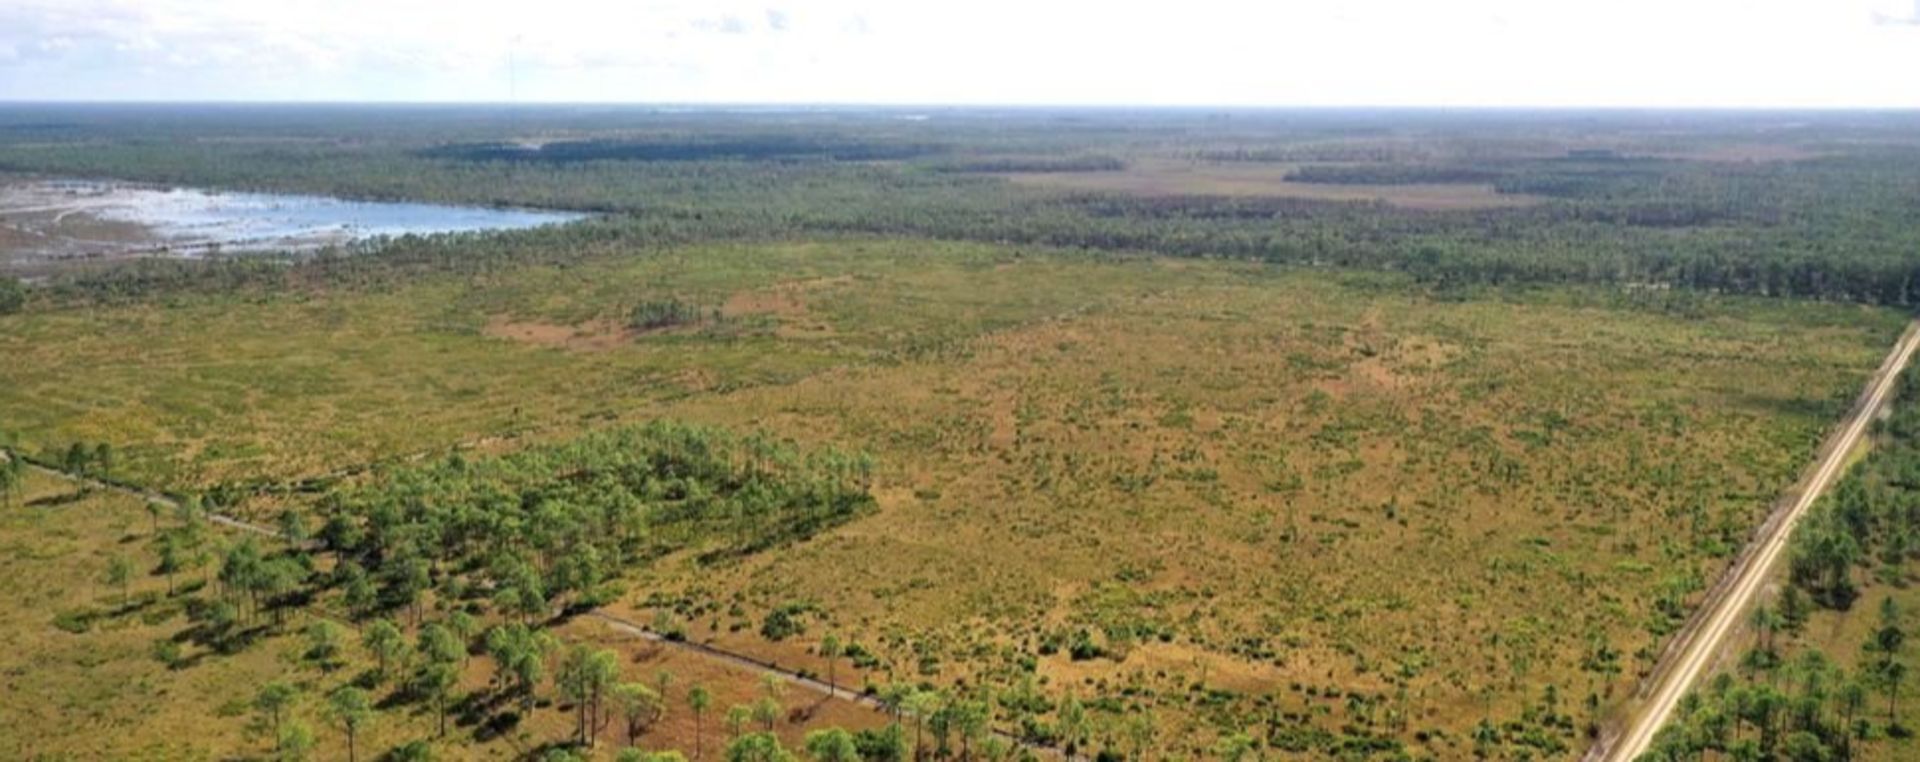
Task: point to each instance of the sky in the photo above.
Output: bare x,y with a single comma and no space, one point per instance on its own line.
1454,53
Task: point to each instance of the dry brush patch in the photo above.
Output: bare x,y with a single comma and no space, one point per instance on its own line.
1293,492
1324,507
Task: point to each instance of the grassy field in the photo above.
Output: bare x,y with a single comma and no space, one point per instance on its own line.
304,384
1226,488
83,681
1191,489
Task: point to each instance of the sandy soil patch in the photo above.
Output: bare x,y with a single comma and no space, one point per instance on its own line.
592,336
787,303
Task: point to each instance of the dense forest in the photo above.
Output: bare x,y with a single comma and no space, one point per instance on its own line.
1823,212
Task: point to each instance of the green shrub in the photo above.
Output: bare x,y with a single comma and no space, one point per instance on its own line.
76,621
780,624
670,313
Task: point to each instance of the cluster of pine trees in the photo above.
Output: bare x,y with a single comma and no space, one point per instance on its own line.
424,555
554,522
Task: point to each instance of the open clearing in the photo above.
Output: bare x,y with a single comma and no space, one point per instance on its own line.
1216,476
1170,177
1085,427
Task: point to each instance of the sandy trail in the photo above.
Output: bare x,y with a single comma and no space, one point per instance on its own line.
1699,645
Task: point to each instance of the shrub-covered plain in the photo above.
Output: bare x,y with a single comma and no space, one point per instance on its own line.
1194,490
1157,436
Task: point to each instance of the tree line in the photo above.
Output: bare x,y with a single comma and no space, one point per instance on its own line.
1836,227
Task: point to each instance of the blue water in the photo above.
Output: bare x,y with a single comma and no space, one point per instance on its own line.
243,217
187,218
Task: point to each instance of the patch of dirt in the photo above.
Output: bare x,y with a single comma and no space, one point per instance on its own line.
786,302
592,336
777,301
67,234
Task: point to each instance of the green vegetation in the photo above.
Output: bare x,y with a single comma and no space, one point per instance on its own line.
1006,164
1390,174
1249,421
653,316
259,638
1155,436
1817,210
1803,691
13,296
582,512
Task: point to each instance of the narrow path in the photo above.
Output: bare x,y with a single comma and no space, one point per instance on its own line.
634,629
1700,643
766,668
149,496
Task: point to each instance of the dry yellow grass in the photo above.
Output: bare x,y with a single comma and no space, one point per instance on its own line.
1281,485
1301,486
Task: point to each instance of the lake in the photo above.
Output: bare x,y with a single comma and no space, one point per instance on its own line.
60,219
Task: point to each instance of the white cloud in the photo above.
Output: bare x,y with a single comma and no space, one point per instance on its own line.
1463,52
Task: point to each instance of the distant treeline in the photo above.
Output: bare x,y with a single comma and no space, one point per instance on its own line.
1578,175
1342,152
1839,227
766,148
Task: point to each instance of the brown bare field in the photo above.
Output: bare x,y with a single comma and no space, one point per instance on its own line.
597,336
1166,176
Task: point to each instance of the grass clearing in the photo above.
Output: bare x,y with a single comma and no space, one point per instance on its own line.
1195,488
1226,487
1174,177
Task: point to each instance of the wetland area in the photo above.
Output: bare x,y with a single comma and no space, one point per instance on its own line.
45,222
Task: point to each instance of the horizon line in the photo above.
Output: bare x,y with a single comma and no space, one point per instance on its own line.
964,106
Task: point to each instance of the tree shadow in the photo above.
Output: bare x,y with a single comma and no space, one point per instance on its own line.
491,713
64,498
540,751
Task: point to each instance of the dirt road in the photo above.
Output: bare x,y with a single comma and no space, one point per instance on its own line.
1693,652
151,497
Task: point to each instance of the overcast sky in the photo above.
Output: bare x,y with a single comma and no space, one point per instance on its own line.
1175,52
